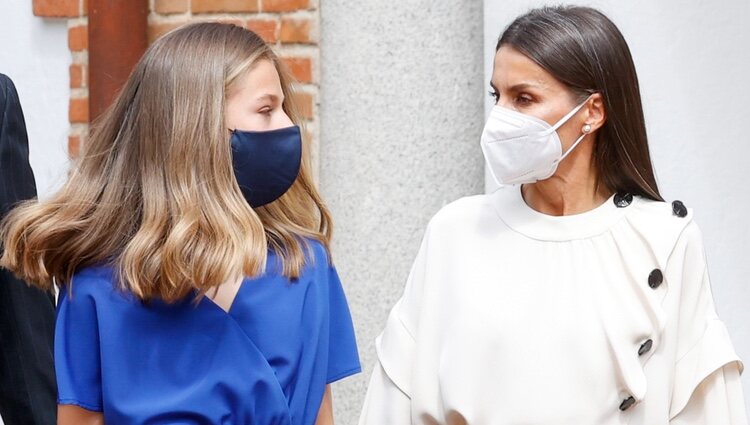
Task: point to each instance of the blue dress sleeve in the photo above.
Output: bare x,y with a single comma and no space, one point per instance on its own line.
77,358
343,358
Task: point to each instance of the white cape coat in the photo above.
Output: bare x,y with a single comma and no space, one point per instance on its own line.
513,317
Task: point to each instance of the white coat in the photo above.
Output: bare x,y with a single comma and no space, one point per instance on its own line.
513,317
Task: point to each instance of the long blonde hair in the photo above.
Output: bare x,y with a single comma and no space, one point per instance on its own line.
154,194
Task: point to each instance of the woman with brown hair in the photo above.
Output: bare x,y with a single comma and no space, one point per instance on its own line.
574,294
191,249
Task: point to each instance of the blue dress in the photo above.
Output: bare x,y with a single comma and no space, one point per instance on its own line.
267,361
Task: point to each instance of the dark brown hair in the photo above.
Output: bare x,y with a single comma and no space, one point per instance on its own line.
584,50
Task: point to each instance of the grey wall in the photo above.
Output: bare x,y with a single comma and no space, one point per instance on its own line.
401,116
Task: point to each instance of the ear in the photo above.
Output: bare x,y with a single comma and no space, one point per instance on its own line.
596,115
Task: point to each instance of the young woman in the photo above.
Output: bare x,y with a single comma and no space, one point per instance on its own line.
191,249
574,294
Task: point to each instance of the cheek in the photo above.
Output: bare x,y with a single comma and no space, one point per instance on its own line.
551,111
242,119
546,112
568,135
231,113
251,122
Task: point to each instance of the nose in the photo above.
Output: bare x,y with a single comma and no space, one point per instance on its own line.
283,120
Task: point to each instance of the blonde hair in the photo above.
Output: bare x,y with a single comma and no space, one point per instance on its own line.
154,194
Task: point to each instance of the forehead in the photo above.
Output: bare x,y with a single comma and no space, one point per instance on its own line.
262,78
513,67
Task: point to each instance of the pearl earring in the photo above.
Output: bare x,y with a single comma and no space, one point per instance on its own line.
587,128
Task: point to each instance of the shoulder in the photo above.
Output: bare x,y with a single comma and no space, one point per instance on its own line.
7,89
676,210
83,300
317,255
91,282
668,226
5,83
461,212
671,219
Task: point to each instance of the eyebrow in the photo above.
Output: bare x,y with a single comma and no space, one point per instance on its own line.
269,96
519,87
524,86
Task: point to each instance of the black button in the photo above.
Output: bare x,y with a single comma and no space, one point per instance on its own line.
623,199
646,347
655,278
625,405
679,209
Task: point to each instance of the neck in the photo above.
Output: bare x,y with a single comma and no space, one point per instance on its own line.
573,189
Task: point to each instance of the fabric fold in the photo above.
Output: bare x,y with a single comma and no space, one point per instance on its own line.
713,351
395,348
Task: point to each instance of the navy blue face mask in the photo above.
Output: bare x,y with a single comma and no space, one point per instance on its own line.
266,163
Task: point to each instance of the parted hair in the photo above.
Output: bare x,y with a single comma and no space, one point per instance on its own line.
586,51
153,193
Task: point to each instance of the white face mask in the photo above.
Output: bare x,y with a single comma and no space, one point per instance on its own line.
520,148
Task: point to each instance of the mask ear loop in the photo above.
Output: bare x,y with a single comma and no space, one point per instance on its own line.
586,128
565,119
586,131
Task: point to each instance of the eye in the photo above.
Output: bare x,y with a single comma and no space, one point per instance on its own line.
495,95
266,110
524,99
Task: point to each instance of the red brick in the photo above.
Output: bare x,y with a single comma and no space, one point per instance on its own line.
78,38
284,5
226,6
78,111
301,68
296,31
74,146
305,105
57,8
77,76
155,31
267,30
166,7
234,21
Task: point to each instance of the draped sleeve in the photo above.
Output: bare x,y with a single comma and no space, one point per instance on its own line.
706,386
343,358
77,353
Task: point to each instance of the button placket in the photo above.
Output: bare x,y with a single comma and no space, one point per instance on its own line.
645,349
655,281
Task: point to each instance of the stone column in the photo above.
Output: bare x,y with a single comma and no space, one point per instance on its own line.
401,113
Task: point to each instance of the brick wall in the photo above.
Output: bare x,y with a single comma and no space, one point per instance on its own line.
78,107
291,26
